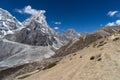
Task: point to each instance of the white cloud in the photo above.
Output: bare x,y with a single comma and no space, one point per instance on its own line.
116,23
112,13
19,11
111,24
57,23
29,10
56,28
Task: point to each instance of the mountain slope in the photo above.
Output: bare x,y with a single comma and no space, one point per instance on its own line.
8,23
85,40
99,61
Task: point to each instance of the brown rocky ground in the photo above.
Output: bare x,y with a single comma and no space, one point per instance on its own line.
10,73
85,40
98,61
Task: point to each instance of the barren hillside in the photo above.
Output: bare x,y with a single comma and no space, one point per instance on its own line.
85,40
99,61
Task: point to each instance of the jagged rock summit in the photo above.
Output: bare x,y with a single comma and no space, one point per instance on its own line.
37,32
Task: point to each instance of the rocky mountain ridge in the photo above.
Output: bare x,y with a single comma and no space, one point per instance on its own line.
85,40
32,40
8,23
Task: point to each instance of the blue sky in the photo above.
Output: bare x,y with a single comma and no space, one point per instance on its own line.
82,15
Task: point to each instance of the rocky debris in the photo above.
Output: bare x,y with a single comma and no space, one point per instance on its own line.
81,56
96,57
116,39
99,44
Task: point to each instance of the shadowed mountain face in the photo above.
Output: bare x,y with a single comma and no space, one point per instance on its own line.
37,32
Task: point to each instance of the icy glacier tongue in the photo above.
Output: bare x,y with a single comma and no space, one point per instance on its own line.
8,23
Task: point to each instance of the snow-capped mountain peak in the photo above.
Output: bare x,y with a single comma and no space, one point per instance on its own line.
33,31
39,17
8,23
4,14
